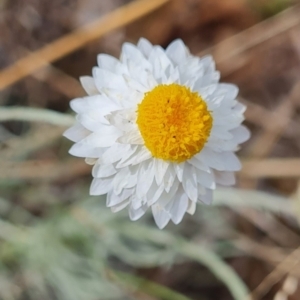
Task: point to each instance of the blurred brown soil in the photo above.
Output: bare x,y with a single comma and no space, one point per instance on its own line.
268,76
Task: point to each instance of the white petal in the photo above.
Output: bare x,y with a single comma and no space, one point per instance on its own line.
240,134
161,217
224,178
232,163
133,54
92,111
88,122
90,161
125,99
99,114
100,170
190,71
113,199
174,77
239,108
214,102
110,63
114,153
206,179
229,91
198,164
189,182
100,103
206,91
176,184
101,186
120,206
220,132
169,178
177,51
220,145
159,61
136,202
76,133
132,176
142,155
89,86
229,121
191,207
126,193
161,167
154,193
166,197
179,170
131,137
124,119
207,197
117,120
139,84
226,161
145,178
145,46
151,82
206,80
120,180
109,80
106,136
208,64
135,214
83,150
178,206
128,156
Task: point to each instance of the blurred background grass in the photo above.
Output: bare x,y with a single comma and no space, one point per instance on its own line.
56,242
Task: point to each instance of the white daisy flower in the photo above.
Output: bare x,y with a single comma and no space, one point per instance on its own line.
160,130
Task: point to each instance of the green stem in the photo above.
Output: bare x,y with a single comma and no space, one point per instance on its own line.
35,115
9,232
218,267
149,287
205,256
253,199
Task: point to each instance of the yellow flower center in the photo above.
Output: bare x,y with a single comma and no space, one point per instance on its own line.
174,122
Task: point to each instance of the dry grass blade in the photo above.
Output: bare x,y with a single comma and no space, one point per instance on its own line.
294,36
289,287
277,231
272,255
60,81
271,168
285,267
255,35
73,41
275,123
16,148
259,250
256,114
57,79
43,170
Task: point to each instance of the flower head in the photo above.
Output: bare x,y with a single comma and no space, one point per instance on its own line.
160,130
